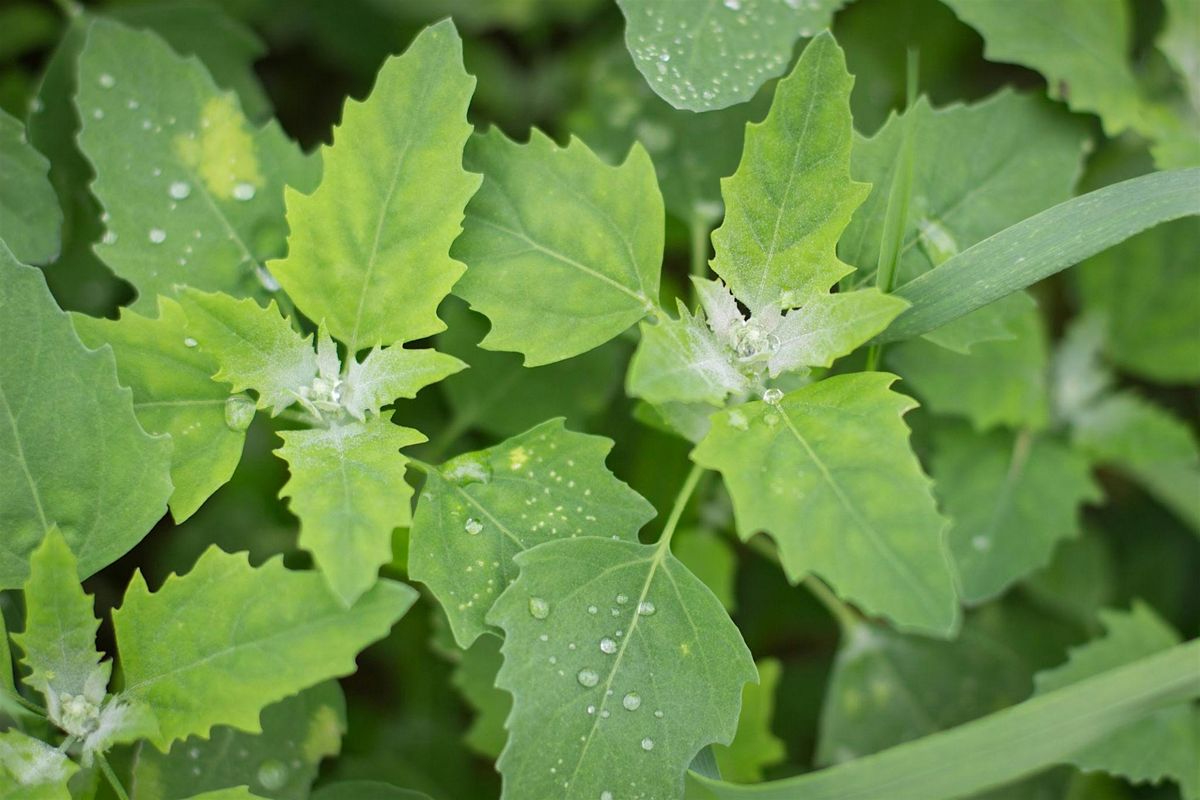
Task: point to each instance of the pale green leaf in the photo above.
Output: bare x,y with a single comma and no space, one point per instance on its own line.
215,646
1011,498
830,326
550,292
997,383
174,394
714,53
59,642
62,413
192,191
1130,432
1162,746
622,666
1179,42
754,746
347,487
255,347
829,474
32,770
792,195
477,511
30,217
389,373
369,249
475,678
1146,288
281,762
682,360
1078,377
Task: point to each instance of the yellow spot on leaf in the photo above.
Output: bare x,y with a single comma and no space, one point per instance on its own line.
324,735
221,152
685,649
517,458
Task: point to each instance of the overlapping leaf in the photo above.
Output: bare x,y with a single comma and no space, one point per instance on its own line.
33,769
754,746
828,473
479,510
30,217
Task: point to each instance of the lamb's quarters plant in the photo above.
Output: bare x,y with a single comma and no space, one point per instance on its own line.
923,514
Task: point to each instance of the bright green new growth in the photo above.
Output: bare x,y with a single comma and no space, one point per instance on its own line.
200,657
174,394
479,510
792,195
368,252
549,292
192,192
715,53
30,217
827,471
622,666
52,390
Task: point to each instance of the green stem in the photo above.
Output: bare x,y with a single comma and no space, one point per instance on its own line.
681,501
28,705
113,780
699,247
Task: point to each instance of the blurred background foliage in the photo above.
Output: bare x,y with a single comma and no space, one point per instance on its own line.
420,713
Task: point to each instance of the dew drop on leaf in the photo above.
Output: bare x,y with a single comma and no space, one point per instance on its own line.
647,743
632,701
272,774
158,235
608,646
772,396
239,411
646,608
179,190
473,526
588,677
538,608
243,191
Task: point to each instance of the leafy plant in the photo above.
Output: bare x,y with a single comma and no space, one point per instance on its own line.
928,509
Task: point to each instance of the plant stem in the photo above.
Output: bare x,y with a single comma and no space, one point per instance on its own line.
699,247
113,780
681,501
28,705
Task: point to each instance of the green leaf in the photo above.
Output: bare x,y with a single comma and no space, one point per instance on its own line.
622,666
30,217
711,559
1157,747
255,347
1151,310
549,292
215,646
998,383
1125,430
477,511
1042,245
365,790
682,360
61,413
1177,41
828,473
976,170
59,641
1001,748
475,678
281,762
792,195
392,372
347,487
193,192
173,394
32,770
717,53
369,249
1080,46
1012,498
754,746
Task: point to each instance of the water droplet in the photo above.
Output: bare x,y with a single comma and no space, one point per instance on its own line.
622,599
772,396
467,469
538,608
179,190
608,646
243,192
732,5
632,701
591,709
190,342
647,743
592,609
106,80
239,411
473,526
738,420
98,113
606,795
646,608
110,237
658,714
588,678
272,774
158,235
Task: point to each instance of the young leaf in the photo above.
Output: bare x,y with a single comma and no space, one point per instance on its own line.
61,413
282,761
30,217
193,192
711,558
754,746
1158,747
997,383
830,326
479,510
475,678
174,394
347,523
828,473
255,347
549,292
215,646
59,641
392,372
369,249
30,769
792,195
682,360
622,666
1012,499
717,53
